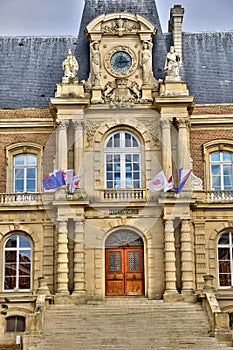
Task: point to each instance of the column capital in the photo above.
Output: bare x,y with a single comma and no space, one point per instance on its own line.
61,123
165,122
183,122
78,124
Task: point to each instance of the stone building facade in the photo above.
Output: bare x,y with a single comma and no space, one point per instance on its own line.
118,119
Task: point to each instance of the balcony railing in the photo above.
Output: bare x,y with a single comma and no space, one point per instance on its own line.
219,196
20,198
124,194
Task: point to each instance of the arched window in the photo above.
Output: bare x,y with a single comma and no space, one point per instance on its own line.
225,259
122,161
25,170
221,171
17,263
15,324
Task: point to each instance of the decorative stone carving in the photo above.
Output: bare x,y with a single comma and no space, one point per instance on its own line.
70,67
121,90
120,27
172,64
96,63
196,183
146,62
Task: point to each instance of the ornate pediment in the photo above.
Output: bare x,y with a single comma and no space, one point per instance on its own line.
120,27
119,24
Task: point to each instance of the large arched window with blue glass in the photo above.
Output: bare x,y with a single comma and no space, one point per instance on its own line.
17,263
122,160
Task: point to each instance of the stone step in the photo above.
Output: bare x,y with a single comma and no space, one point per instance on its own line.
130,324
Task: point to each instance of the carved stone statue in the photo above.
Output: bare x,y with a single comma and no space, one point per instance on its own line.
146,62
172,63
96,63
70,66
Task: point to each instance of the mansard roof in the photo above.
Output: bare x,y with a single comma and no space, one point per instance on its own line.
31,66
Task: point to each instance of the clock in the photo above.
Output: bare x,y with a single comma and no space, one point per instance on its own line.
121,61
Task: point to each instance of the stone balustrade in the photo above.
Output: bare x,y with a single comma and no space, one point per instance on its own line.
19,198
124,194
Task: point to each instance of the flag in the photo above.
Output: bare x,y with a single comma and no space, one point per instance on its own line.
182,178
158,182
68,174
60,178
169,184
74,183
50,182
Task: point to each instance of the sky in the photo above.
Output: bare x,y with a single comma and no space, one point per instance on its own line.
62,17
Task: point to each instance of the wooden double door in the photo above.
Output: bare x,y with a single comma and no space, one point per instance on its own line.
124,271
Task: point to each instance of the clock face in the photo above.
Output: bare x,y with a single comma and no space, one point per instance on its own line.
121,61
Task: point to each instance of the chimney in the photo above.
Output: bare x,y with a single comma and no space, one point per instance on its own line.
175,27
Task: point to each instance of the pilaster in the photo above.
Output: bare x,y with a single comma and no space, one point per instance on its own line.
187,275
78,145
170,258
62,259
79,260
62,144
166,146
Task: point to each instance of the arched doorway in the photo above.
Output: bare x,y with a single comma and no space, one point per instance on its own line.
124,266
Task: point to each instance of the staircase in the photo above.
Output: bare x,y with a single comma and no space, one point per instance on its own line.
127,324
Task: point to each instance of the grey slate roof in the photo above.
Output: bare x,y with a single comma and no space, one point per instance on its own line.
30,67
207,66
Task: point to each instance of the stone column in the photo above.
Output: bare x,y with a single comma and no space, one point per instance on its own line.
186,258
62,144
79,259
166,147
170,257
78,145
62,259
183,143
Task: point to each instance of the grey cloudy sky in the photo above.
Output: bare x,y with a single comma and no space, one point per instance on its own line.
62,17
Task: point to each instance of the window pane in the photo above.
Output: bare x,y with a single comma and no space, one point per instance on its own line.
25,255
24,269
24,242
224,239
31,173
19,186
135,142
19,160
10,269
10,256
224,253
224,267
31,186
117,140
12,242
10,283
215,169
24,282
227,156
214,157
31,159
225,280
227,169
